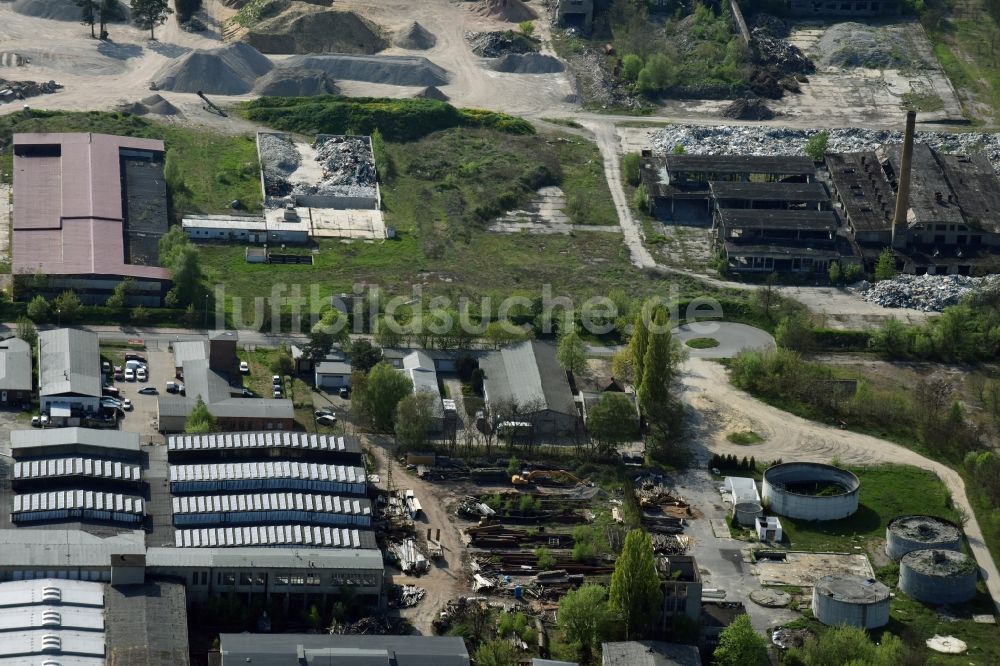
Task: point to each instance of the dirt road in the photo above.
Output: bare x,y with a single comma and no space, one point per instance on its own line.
719,408
444,581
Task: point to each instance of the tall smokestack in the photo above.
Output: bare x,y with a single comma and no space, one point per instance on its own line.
903,190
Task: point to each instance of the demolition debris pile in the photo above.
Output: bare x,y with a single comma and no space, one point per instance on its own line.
348,167
14,90
528,63
749,140
499,43
929,293
279,159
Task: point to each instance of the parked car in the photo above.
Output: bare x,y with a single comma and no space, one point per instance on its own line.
247,393
244,367
105,367
345,393
111,402
36,421
148,390
276,379
141,375
111,391
327,420
134,364
45,420
324,411
173,387
127,405
129,375
119,373
277,392
132,356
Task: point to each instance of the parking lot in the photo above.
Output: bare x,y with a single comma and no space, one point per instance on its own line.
142,419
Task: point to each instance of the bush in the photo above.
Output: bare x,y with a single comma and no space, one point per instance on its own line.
816,146
630,168
641,198
631,66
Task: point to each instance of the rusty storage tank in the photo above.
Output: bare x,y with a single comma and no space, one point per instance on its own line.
908,533
936,576
854,600
811,491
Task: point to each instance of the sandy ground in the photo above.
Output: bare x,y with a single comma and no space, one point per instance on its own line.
719,408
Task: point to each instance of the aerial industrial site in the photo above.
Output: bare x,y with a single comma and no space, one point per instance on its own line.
499,332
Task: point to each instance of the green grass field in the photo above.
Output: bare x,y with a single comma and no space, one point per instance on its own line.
744,437
702,343
886,492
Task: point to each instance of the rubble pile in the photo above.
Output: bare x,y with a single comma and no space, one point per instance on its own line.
497,43
279,159
776,52
769,25
14,90
928,293
348,167
373,626
406,596
752,140
748,108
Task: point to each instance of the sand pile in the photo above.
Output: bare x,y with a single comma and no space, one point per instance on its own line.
295,82
512,11
153,104
528,63
432,92
228,70
304,28
389,70
415,37
57,10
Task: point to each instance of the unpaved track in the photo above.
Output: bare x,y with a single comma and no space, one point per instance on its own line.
717,402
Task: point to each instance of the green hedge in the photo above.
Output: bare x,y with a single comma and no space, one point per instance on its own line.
396,119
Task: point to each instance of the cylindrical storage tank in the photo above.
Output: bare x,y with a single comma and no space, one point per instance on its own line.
938,576
811,491
747,513
854,600
908,533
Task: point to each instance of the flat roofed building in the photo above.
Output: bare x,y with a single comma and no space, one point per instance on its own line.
89,210
69,371
50,621
319,649
649,653
419,367
16,381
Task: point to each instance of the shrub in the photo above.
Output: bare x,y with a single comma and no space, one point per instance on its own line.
631,66
630,168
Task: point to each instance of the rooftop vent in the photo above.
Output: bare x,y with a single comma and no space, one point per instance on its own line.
52,595
51,643
51,618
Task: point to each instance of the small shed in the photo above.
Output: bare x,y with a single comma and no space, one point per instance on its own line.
769,528
255,255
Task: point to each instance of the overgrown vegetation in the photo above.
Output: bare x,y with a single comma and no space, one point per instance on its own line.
396,119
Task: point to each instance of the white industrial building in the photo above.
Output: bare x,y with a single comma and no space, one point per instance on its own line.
69,374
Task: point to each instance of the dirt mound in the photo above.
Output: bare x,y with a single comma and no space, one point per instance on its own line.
748,108
513,11
415,37
390,70
528,63
58,10
228,70
295,82
432,92
850,45
304,28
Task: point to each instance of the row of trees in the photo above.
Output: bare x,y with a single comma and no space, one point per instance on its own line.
147,14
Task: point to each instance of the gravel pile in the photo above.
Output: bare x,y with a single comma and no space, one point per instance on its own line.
848,45
295,82
389,70
497,43
929,293
415,37
303,28
228,70
750,140
513,11
154,104
431,92
14,90
748,108
528,63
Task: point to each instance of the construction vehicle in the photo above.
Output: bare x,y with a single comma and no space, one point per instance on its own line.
549,474
211,106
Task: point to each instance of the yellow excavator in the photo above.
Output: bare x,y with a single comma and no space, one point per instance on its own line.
523,480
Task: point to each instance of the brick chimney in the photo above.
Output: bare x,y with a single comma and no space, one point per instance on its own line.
903,190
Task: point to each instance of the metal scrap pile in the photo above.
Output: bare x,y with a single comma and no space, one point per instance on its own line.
471,507
496,44
373,626
406,596
14,90
751,140
348,167
279,158
662,512
929,293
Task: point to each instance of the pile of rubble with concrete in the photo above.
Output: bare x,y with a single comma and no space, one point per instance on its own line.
928,293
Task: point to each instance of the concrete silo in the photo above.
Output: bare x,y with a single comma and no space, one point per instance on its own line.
908,533
936,576
854,600
811,491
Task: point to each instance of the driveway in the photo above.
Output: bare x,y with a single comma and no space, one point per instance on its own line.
733,338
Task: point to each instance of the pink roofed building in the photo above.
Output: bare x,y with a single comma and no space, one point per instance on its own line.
89,210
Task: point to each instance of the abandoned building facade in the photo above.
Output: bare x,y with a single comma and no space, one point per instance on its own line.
789,215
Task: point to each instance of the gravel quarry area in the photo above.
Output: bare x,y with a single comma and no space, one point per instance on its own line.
758,140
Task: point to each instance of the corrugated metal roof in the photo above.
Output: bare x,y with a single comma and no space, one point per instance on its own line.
274,535
45,619
263,440
649,653
284,558
529,376
113,440
15,365
78,499
189,350
267,470
79,466
282,649
54,548
50,590
271,502
69,361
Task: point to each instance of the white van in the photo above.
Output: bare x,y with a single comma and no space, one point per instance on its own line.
134,365
140,373
129,375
